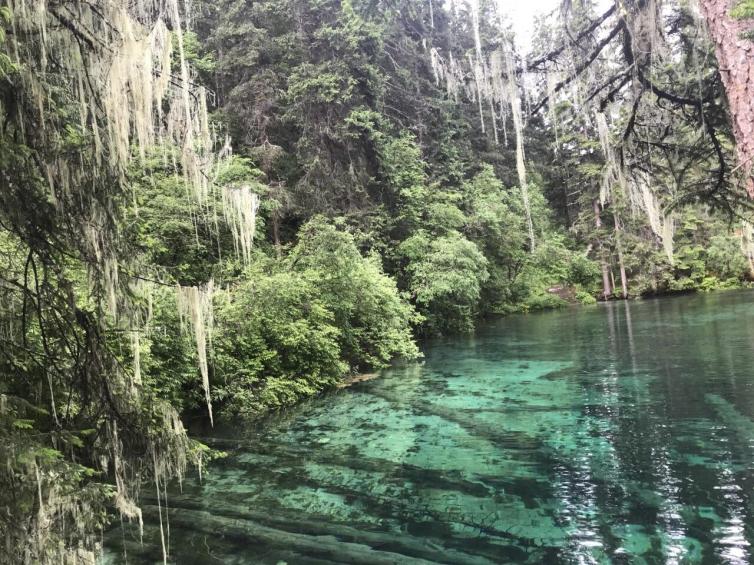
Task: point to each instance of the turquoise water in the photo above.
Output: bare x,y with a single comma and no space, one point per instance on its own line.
620,433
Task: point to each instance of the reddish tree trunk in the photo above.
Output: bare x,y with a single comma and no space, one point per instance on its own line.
735,57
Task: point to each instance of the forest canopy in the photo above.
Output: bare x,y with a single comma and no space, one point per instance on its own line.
217,208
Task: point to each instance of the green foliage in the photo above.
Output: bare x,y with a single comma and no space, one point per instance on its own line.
74,495
446,278
650,271
168,361
744,9
538,300
385,211
724,258
689,267
582,271
168,227
585,297
707,257
493,224
402,169
552,265
7,66
276,343
297,84
374,319
287,329
204,63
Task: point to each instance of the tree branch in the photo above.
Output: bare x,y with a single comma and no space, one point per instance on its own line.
552,55
581,68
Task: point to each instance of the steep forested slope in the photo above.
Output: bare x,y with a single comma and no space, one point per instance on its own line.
219,208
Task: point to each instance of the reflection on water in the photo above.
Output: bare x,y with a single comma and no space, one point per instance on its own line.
621,433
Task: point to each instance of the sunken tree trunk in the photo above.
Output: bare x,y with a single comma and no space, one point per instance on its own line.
735,56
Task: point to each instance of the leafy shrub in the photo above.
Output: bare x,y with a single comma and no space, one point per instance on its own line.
724,258
544,301
295,327
446,277
275,342
585,297
374,319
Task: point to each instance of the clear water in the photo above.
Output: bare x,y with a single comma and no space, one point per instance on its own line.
619,433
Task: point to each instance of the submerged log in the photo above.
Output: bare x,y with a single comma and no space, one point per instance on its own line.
325,546
472,425
409,547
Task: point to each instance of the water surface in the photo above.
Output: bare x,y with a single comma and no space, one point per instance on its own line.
619,433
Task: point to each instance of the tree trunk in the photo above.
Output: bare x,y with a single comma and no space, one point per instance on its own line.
735,57
623,276
621,264
606,287
606,290
276,234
